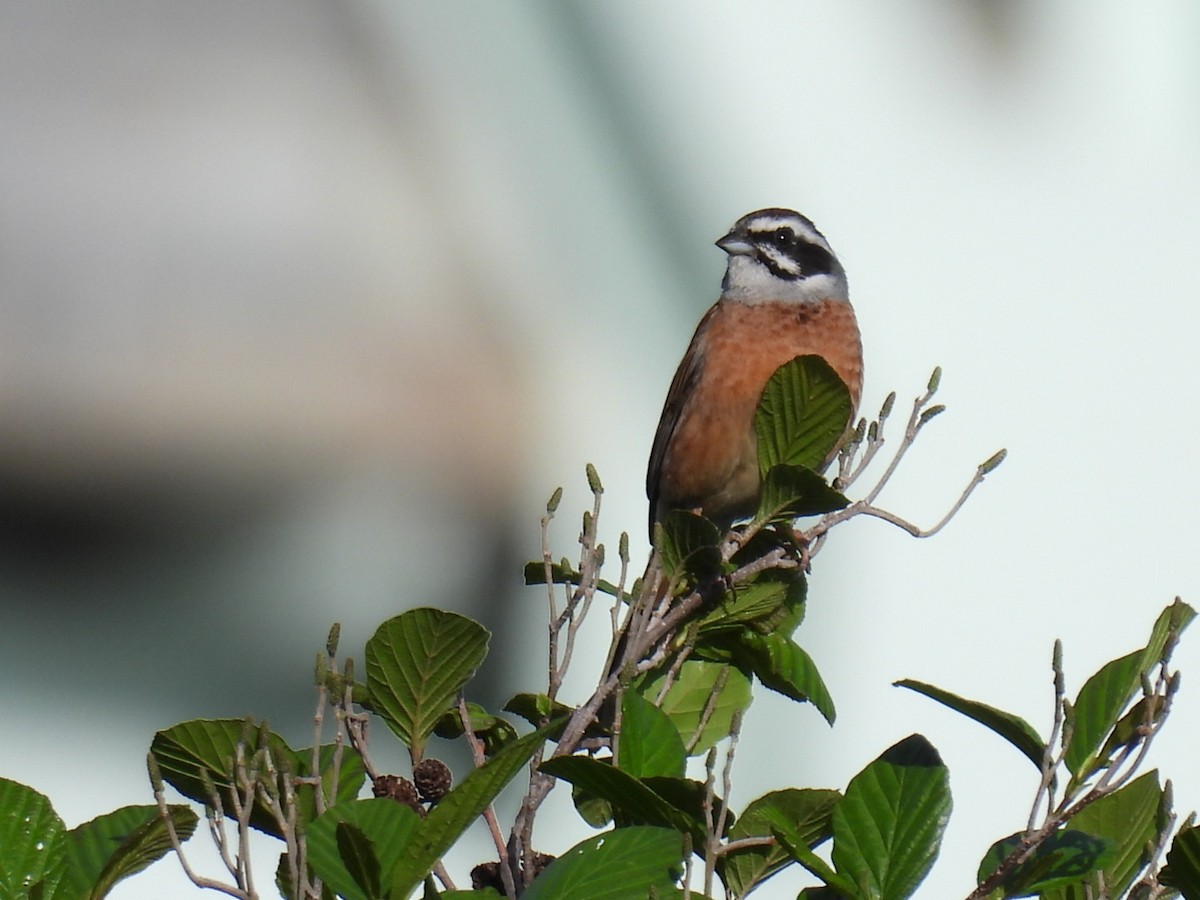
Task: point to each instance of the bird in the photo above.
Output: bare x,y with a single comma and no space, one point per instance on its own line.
784,295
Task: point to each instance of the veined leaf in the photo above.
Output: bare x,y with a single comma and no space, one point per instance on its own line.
1130,819
689,695
887,829
627,862
416,664
1065,858
802,416
649,744
790,492
1182,870
1104,696
32,842
355,845
783,666
632,800
806,815
202,753
688,547
118,844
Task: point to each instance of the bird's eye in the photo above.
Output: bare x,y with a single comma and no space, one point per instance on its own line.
783,236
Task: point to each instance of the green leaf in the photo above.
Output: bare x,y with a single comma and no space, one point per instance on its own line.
783,666
768,604
417,663
688,546
188,751
1100,703
1104,696
357,853
636,803
888,827
596,811
1130,819
350,779
1182,870
494,731
836,886
536,709
790,492
1064,858
625,863
806,815
535,573
649,743
687,698
802,415
118,844
688,796
1012,728
32,842
360,841
455,812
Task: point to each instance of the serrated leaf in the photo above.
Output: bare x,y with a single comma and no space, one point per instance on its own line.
32,842
1065,857
687,698
772,602
187,751
888,827
804,814
688,547
382,828
1130,819
417,662
632,800
802,416
455,812
1011,727
111,847
1182,870
625,863
791,492
649,743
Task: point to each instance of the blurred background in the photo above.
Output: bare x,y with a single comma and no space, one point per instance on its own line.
306,308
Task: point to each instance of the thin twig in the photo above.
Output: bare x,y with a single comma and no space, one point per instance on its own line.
164,813
1049,761
489,813
710,706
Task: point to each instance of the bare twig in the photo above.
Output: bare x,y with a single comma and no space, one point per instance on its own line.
489,813
164,813
710,706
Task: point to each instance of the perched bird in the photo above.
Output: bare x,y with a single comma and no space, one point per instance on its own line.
784,295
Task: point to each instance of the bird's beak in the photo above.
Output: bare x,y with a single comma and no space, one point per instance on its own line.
735,245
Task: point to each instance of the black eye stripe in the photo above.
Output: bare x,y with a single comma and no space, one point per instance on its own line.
809,258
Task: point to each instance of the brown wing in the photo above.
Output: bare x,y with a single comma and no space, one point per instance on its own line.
685,379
